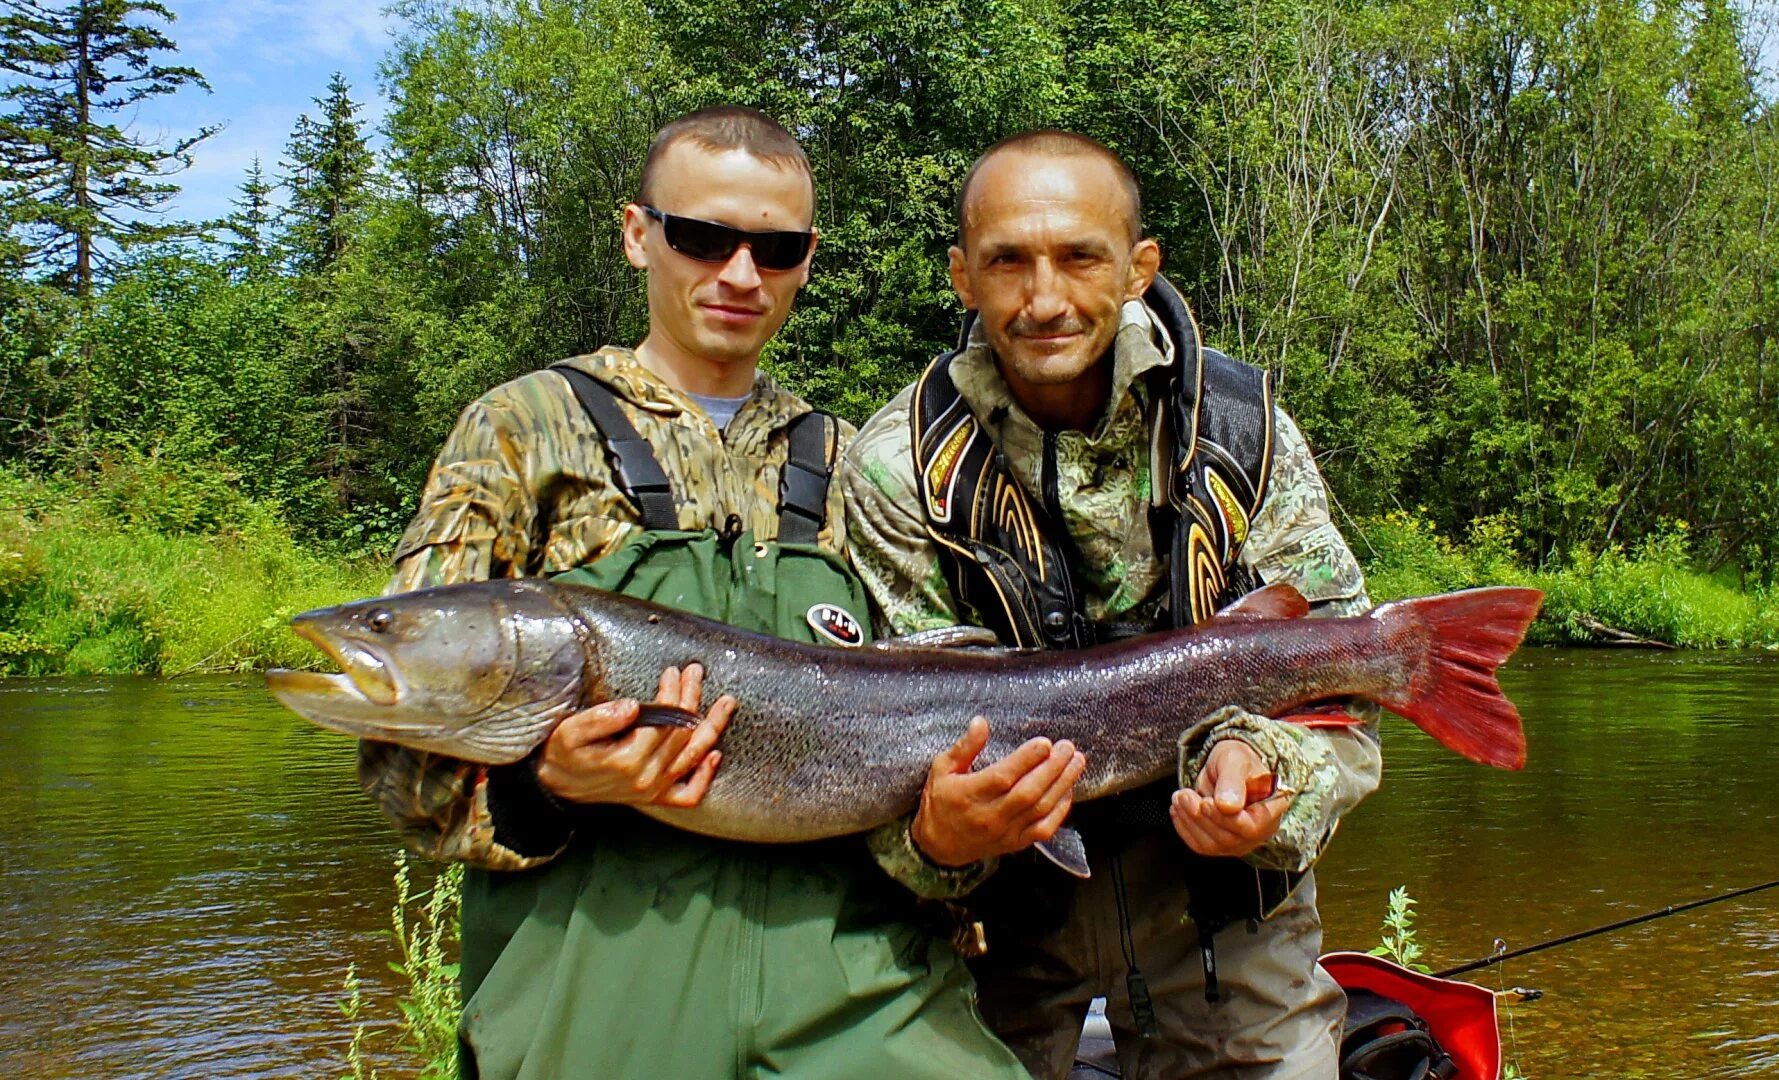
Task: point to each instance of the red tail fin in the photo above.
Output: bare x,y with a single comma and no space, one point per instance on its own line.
1454,696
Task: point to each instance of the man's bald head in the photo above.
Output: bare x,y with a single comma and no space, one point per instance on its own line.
1050,142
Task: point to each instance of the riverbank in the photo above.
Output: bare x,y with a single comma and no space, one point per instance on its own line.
1650,590
154,579
116,576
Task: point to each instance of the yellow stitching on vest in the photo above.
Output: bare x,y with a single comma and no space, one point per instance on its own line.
1234,519
1013,513
941,472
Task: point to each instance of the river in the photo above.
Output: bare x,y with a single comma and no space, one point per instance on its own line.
187,871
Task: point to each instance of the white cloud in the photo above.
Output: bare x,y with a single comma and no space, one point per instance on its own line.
284,32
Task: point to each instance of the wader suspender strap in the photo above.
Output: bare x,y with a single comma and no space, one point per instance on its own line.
638,474
802,488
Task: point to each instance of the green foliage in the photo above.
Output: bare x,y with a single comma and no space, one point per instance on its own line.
352,1007
1399,944
252,246
425,932
124,578
426,939
1654,591
329,167
1510,263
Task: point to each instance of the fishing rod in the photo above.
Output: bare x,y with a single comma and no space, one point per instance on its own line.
1672,909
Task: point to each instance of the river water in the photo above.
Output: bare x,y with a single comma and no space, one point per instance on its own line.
186,871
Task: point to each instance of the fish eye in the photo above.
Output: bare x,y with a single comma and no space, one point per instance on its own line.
379,620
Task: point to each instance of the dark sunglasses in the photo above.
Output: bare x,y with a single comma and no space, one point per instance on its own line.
707,241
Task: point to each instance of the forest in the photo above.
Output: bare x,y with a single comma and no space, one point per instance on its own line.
1513,263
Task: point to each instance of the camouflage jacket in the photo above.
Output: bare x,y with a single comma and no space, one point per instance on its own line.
1104,487
524,487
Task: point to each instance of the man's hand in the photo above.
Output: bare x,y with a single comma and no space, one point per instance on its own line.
1233,808
600,755
1022,799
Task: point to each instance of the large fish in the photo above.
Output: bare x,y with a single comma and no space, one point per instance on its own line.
831,741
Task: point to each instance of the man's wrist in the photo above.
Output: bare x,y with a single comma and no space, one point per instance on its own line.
893,846
527,817
920,838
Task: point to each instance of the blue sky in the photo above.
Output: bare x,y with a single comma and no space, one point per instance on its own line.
266,60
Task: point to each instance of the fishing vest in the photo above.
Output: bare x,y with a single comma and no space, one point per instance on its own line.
1006,555
1007,558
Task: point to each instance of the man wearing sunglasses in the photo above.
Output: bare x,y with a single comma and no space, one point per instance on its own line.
1082,469
597,942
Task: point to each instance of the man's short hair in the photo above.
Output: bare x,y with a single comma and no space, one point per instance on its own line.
1057,143
726,127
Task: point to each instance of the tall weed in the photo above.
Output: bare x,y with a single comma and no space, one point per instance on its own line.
424,928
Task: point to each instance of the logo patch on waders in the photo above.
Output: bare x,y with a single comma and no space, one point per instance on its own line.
836,624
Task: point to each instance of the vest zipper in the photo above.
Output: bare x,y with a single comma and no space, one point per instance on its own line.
1052,498
1062,629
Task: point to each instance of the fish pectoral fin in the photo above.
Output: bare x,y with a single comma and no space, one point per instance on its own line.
943,637
666,716
1066,850
1275,601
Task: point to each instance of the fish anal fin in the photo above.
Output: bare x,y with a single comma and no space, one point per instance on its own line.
1066,850
1275,601
943,637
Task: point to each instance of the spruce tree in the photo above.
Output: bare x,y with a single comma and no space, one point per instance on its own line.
329,167
75,182
250,226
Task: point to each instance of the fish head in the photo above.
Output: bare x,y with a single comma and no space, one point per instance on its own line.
481,672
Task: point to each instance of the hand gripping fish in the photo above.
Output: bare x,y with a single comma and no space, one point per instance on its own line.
832,741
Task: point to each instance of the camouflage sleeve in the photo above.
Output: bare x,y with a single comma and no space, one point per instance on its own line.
888,542
899,565
472,525
1294,541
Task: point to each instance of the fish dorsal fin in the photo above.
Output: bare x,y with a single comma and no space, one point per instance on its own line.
943,637
1275,601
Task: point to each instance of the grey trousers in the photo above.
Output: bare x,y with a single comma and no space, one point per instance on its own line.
1280,1013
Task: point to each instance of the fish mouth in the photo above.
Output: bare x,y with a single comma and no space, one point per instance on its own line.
363,672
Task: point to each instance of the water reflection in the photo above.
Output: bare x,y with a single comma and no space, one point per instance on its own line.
188,870
1651,781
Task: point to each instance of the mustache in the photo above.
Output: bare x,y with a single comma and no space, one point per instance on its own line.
1066,324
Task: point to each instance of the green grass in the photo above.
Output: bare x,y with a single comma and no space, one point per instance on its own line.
93,582
1651,590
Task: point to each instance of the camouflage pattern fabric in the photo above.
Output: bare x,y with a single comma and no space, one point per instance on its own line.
1104,484
524,487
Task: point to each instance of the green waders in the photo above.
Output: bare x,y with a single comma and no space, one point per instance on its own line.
648,952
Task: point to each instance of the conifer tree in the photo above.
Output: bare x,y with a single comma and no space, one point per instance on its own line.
251,224
329,167
76,182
